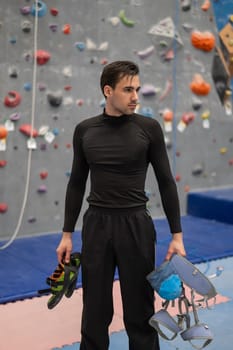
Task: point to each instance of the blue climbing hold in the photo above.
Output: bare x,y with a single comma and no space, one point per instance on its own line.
41,9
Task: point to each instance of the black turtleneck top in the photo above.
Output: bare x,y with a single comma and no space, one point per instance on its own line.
117,152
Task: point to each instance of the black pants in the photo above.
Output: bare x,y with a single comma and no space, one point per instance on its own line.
122,238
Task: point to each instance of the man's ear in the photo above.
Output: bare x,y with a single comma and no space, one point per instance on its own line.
107,90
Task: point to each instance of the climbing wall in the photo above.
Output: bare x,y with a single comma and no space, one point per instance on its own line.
50,67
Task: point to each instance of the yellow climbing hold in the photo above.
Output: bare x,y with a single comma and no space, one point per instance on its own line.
205,114
125,20
223,150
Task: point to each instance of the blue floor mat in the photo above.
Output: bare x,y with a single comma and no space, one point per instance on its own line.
29,261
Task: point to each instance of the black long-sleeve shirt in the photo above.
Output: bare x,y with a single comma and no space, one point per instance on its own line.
117,152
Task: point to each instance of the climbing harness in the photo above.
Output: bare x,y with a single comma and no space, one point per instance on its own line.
168,281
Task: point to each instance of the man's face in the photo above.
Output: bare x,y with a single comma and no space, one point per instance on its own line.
123,98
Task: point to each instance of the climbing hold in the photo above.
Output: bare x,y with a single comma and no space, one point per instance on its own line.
67,71
146,52
166,91
12,40
42,86
199,86
206,5
197,170
54,11
13,99
103,46
79,102
186,119
168,55
43,147
42,57
148,90
147,112
68,100
178,177
13,72
114,21
43,175
205,119
67,87
3,208
185,5
42,189
165,30
55,131
27,130
80,45
223,150
27,86
55,98
66,29
196,103
49,137
25,10
26,26
53,27
28,56
3,132
187,27
203,40
126,21
39,8
43,130
167,115
31,219
3,163
168,142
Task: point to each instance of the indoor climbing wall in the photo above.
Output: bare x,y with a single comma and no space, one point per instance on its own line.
52,54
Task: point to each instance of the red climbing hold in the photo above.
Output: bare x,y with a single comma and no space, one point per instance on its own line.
3,163
43,175
54,11
3,207
13,99
26,129
42,57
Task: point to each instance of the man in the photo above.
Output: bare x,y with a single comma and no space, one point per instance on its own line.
117,147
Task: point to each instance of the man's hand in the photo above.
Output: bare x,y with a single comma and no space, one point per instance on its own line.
176,246
64,248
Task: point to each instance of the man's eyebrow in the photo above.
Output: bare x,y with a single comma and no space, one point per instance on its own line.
131,87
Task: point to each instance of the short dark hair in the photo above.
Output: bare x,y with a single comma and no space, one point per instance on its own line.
113,72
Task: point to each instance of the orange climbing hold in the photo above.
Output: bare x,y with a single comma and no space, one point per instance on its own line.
167,115
67,29
206,5
27,130
199,86
203,40
3,132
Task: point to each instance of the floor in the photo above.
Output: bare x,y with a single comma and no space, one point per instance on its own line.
35,327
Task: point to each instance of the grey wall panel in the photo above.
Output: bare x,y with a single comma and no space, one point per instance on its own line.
81,70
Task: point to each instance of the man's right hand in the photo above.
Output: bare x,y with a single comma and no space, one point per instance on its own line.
65,247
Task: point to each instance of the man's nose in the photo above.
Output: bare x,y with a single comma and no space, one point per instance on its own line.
135,95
